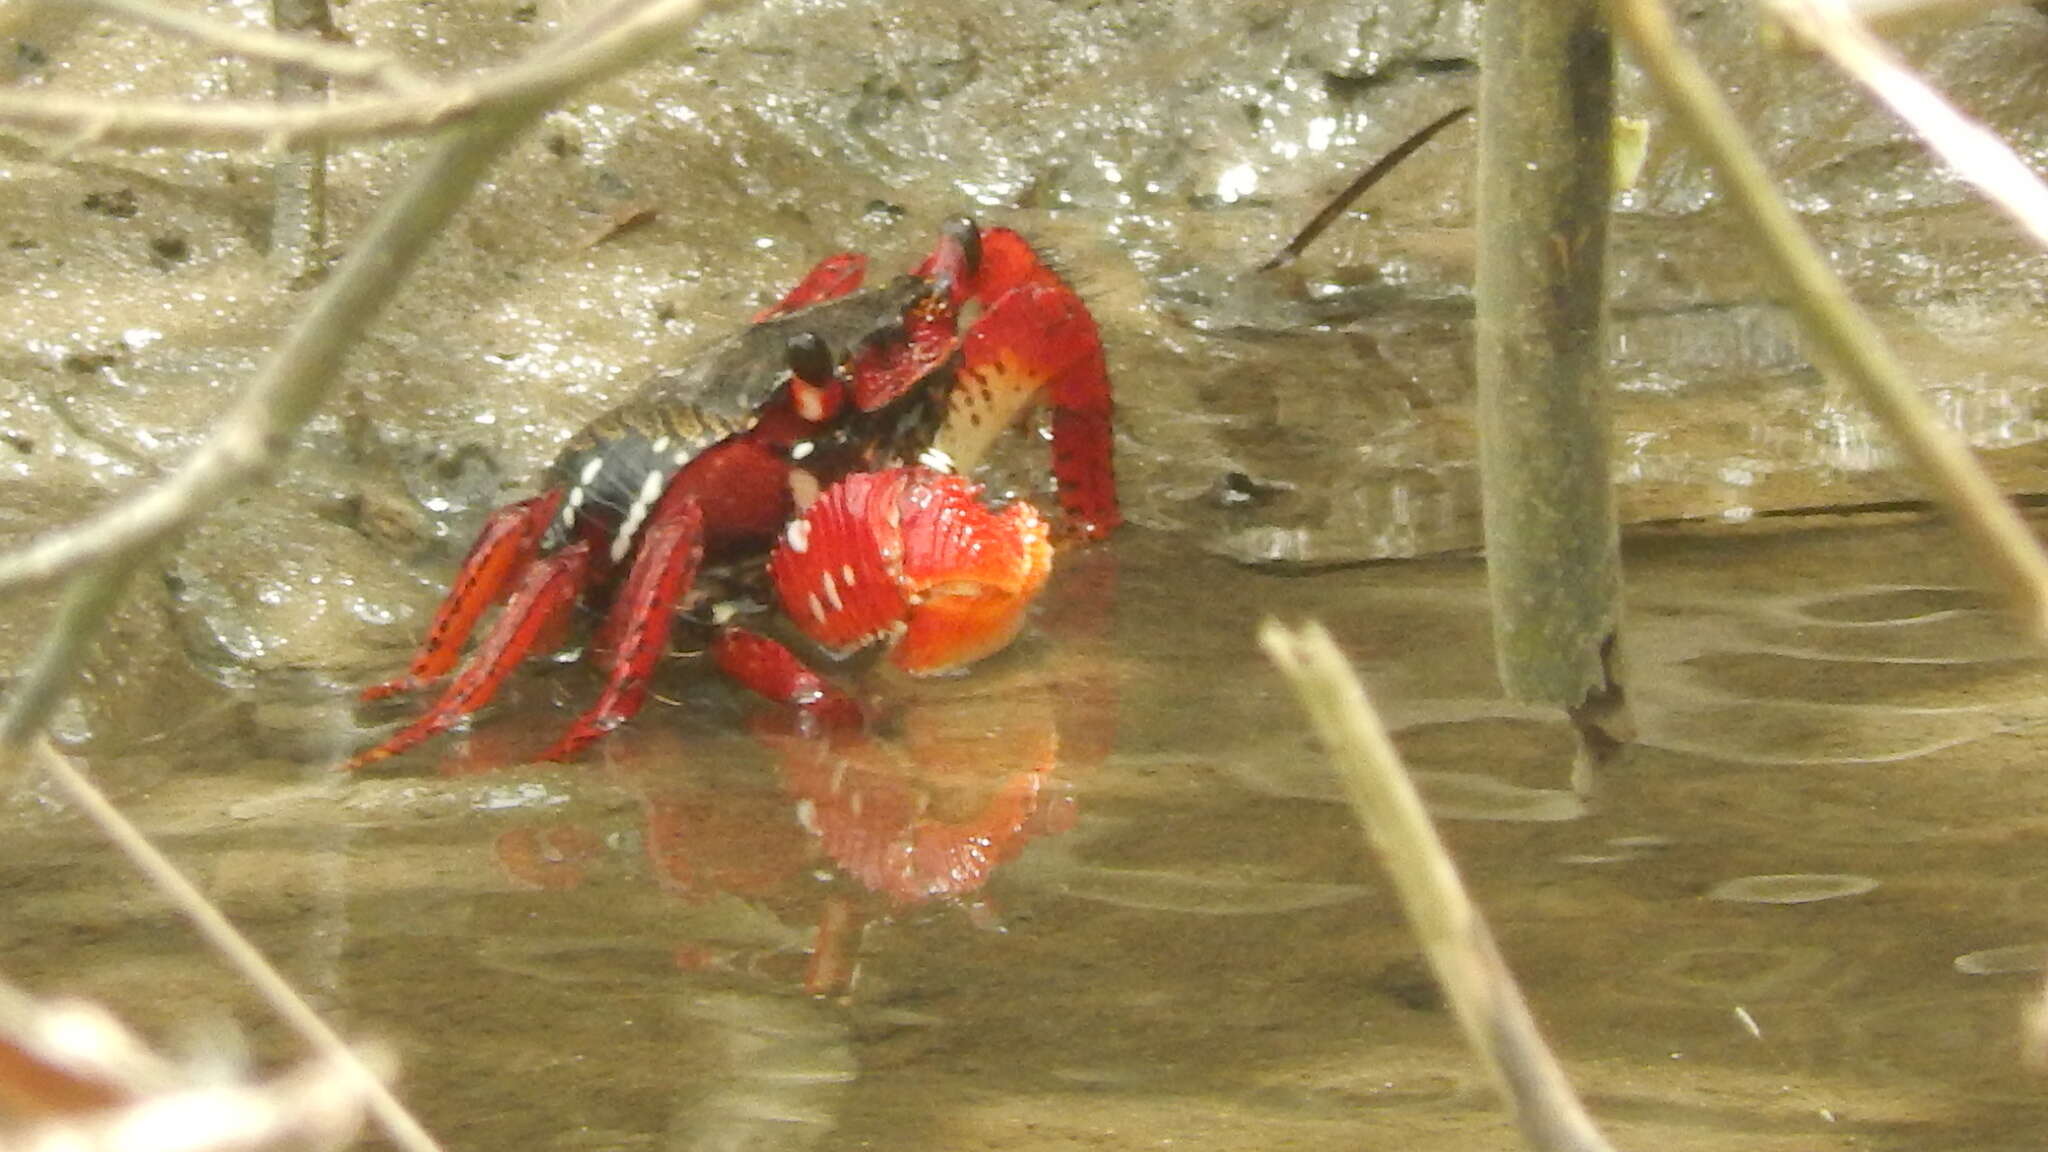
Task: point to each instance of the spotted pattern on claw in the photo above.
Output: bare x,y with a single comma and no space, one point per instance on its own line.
910,556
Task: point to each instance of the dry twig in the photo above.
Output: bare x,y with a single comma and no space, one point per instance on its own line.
1972,150
339,61
1454,936
99,555
254,433
595,49
1847,340
242,955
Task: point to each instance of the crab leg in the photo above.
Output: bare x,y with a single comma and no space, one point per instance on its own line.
1036,339
833,277
634,636
769,669
549,589
502,550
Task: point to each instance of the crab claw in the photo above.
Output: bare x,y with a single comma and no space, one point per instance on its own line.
911,557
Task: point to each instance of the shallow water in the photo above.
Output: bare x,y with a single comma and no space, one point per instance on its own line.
716,935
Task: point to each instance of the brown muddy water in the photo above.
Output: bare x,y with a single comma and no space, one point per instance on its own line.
1801,913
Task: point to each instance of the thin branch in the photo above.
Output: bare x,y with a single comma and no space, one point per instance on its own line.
1454,935
1846,339
244,957
336,60
252,436
33,696
298,179
1358,186
1972,150
576,57
256,430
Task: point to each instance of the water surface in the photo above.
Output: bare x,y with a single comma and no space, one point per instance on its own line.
1103,893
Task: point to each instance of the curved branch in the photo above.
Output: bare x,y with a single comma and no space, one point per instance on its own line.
594,49
255,432
262,44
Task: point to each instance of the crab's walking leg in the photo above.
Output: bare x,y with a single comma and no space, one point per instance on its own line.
833,277
769,669
634,636
1036,339
549,589
502,550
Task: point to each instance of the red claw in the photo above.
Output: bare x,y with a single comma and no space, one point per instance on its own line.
911,557
1036,340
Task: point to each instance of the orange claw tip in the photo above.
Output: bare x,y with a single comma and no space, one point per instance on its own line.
952,541
973,575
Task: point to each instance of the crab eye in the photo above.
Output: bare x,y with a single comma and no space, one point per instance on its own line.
967,234
810,360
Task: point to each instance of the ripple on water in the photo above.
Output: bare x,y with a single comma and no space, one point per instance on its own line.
1791,888
1891,603
1472,796
2002,961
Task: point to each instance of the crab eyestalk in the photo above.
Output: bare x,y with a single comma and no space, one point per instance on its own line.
910,557
815,390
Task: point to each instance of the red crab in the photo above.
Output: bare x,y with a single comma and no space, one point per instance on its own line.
854,408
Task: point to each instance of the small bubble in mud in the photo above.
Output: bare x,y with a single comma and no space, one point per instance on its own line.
1791,888
2001,961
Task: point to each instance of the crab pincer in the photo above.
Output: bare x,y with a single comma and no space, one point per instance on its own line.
909,558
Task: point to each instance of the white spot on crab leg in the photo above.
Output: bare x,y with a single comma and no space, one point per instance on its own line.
799,536
650,491
801,449
832,594
591,468
817,609
846,575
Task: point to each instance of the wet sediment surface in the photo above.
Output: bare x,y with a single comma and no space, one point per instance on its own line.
1103,892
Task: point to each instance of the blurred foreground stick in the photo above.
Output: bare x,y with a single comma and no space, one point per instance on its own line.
1453,934
72,1079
